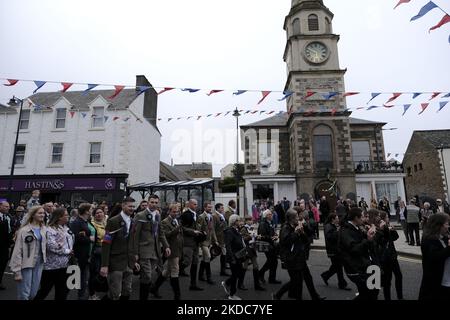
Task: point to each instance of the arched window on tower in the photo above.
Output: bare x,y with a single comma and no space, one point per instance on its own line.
313,22
328,25
296,27
323,147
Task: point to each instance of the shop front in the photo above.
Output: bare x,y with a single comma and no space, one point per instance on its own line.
70,190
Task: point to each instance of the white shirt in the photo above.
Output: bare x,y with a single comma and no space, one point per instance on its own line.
127,220
402,213
195,214
153,213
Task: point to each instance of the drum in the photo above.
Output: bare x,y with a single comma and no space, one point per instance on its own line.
262,246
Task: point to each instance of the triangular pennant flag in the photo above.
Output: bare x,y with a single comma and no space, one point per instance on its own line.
360,108
90,87
447,95
218,114
405,108
116,118
255,111
247,112
84,114
209,115
401,2
271,112
213,91
106,118
374,95
159,119
142,89
394,96
66,86
396,155
37,107
198,118
189,117
239,92
425,9
424,107
416,94
39,84
11,82
190,90
281,112
287,94
348,94
333,112
388,107
126,119
72,113
372,107
118,90
389,154
261,112
165,90
445,20
330,95
168,119
264,96
442,105
227,113
309,94
179,118
434,95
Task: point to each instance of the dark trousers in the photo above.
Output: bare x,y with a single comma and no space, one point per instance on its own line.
53,278
336,268
294,286
392,268
4,257
361,283
271,265
414,228
236,273
309,283
84,274
94,270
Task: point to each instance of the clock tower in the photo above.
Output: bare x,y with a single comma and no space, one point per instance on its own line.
318,125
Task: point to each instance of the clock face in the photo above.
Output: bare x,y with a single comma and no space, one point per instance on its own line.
316,52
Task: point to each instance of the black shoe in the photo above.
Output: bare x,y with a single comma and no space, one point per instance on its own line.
345,288
224,274
242,287
274,281
324,279
411,244
195,288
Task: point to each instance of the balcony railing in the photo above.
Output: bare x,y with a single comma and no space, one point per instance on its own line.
362,167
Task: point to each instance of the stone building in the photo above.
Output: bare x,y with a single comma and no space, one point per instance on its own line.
316,148
196,170
427,164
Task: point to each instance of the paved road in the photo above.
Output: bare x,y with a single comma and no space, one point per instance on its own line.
412,275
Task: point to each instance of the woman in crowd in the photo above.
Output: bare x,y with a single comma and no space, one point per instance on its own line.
435,259
99,224
316,215
59,250
236,254
267,234
73,215
388,258
29,254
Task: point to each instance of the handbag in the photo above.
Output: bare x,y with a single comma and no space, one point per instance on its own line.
241,254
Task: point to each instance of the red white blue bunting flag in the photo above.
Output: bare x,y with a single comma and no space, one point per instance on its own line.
424,107
165,90
264,96
116,92
39,84
401,2
442,105
12,82
66,86
213,92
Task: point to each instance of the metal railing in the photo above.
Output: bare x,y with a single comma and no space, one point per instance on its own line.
377,167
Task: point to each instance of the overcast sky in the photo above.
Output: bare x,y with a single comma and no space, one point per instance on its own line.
231,45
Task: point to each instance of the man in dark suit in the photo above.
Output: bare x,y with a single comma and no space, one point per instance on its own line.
324,209
6,234
118,258
192,237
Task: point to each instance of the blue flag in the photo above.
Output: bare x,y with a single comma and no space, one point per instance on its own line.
142,89
39,84
330,95
287,94
442,105
415,95
405,108
190,90
90,87
373,107
447,95
239,92
374,95
425,9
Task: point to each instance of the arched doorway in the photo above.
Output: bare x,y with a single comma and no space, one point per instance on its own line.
330,190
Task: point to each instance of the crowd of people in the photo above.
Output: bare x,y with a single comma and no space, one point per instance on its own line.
110,246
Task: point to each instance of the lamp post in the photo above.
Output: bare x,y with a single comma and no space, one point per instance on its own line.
237,115
13,102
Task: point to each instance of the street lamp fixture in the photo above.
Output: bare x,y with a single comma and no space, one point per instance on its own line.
14,102
237,115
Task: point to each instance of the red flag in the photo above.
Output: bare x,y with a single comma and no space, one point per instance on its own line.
253,112
394,96
165,89
271,112
388,106
118,90
264,95
66,86
333,111
434,95
116,118
290,111
401,2
214,91
309,94
198,118
348,94
218,114
72,113
445,19
424,107
11,82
